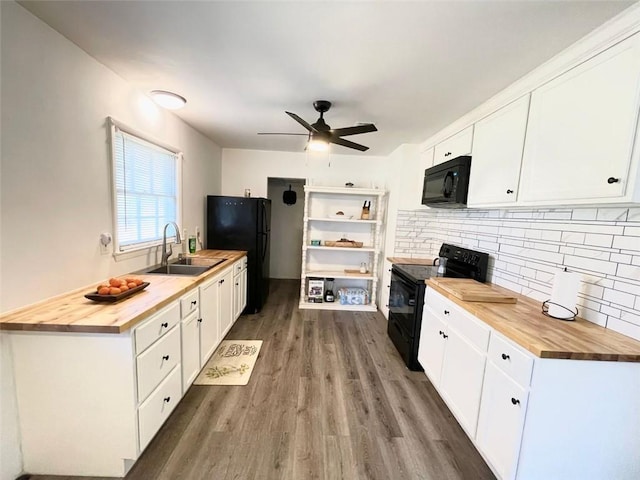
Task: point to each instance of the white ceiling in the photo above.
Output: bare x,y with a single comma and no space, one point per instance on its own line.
409,67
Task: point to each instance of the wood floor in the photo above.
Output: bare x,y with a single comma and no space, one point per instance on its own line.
329,398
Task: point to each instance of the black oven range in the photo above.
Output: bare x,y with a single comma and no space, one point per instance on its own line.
406,295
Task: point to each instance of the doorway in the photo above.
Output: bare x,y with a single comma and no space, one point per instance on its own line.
286,227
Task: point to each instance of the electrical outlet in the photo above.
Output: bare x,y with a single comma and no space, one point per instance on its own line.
105,241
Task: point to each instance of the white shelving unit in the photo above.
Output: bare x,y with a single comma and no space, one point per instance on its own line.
321,261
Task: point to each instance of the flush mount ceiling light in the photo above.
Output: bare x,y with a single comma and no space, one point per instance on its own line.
169,100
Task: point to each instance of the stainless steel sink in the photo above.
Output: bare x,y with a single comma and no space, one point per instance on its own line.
185,266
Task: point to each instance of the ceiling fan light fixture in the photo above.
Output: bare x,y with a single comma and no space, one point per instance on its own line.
168,100
318,145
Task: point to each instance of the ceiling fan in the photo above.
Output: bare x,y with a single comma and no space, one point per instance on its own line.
321,135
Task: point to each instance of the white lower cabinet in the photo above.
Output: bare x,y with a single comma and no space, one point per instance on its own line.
156,409
104,396
209,319
431,346
452,351
190,349
532,418
502,412
239,287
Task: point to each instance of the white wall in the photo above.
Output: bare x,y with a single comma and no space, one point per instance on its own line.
251,168
286,229
55,195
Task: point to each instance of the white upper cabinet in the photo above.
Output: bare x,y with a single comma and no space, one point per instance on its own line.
455,146
498,141
581,130
412,179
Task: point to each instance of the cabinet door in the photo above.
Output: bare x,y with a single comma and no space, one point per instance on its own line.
462,375
432,344
581,129
225,297
452,147
243,291
237,295
501,421
498,141
209,320
190,350
384,290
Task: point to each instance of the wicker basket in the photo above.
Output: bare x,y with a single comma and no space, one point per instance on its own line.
343,243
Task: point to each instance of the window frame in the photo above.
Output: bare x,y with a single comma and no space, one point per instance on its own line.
141,248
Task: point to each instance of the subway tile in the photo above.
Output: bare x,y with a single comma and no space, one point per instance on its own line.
567,250
619,298
630,317
628,271
634,214
598,239
632,231
584,214
573,237
620,258
590,253
635,260
625,328
593,316
594,265
626,287
551,257
612,214
592,290
527,272
586,303
626,243
561,215
610,311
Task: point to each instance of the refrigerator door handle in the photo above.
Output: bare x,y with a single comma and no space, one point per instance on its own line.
265,245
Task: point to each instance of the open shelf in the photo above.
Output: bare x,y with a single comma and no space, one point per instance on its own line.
336,306
322,262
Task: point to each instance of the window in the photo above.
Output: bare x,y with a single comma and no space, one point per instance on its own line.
146,180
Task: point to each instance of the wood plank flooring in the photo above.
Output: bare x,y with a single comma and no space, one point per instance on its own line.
329,398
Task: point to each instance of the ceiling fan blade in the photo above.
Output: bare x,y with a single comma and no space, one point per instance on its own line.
343,132
279,133
301,122
348,144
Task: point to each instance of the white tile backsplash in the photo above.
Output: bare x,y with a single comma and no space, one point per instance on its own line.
527,248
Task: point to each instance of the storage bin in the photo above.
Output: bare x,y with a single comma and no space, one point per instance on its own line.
353,296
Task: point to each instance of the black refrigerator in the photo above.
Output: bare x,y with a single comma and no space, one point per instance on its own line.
240,223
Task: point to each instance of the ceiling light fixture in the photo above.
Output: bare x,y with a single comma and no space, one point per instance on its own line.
169,100
317,143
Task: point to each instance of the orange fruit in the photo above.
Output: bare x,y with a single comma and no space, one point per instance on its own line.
104,290
132,285
115,282
114,291
123,288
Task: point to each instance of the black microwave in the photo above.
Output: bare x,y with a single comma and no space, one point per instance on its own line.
446,185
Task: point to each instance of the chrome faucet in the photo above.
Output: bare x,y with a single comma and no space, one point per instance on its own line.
165,256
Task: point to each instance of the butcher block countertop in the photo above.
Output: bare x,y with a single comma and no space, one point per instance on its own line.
546,337
72,312
411,261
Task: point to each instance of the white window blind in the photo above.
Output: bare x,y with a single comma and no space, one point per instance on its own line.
146,179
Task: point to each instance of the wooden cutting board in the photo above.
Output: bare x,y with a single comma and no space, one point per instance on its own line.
469,290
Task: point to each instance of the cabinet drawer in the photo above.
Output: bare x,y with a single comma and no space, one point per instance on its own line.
156,327
155,410
238,266
511,360
157,361
189,303
474,331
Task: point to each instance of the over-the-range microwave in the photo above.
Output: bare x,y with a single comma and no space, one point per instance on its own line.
446,185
